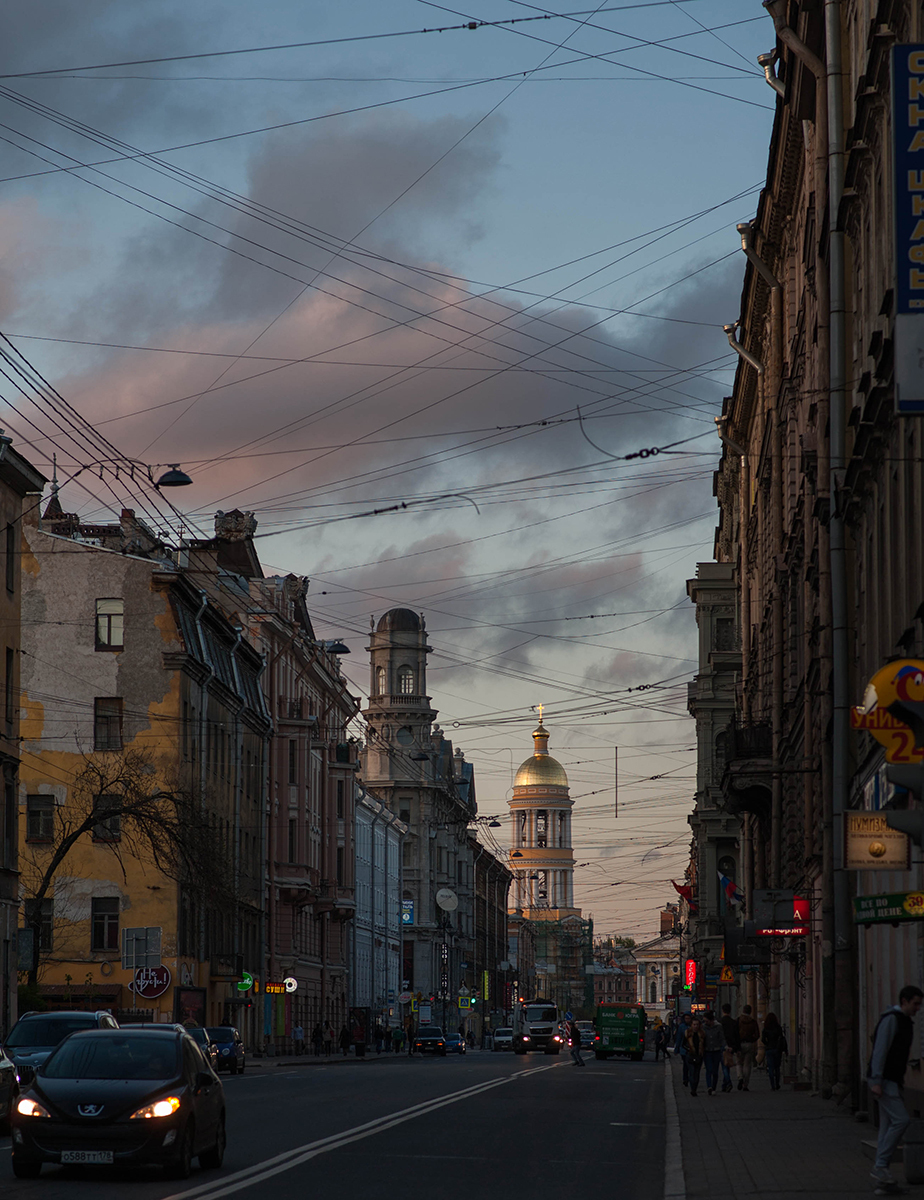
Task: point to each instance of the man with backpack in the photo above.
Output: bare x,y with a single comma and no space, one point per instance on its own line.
892,1039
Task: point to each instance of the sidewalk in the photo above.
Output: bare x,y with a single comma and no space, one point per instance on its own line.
767,1145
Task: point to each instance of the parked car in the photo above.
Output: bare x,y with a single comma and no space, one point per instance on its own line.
9,1089
502,1039
455,1043
36,1034
111,1096
429,1040
206,1044
230,1046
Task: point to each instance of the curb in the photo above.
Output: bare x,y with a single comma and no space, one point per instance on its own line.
674,1184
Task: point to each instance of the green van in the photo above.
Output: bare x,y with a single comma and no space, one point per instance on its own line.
620,1029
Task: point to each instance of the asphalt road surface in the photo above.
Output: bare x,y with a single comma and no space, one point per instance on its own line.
480,1127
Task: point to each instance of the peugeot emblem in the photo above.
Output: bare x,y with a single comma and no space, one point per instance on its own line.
89,1110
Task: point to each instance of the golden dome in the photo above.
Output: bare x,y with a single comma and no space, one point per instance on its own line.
541,769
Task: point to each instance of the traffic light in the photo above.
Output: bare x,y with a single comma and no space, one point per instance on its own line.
907,820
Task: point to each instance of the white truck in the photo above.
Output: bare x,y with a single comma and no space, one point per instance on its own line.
536,1027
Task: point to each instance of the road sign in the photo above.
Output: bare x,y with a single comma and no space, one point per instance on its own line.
151,982
727,975
404,997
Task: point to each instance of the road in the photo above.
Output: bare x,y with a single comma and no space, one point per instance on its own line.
472,1128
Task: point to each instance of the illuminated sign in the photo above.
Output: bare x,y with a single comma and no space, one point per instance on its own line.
280,989
900,906
689,972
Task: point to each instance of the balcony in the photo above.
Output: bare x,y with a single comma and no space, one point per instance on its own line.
748,777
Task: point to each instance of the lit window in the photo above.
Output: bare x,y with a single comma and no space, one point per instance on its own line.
381,680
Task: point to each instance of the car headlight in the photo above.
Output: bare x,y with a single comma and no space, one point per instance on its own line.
525,1037
31,1108
160,1108
556,1038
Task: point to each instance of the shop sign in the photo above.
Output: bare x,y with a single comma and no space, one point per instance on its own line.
870,845
898,906
246,983
407,912
288,985
891,698
908,227
689,972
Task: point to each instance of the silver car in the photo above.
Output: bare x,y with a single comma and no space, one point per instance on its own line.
502,1039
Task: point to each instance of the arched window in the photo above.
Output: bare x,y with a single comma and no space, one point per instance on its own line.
406,681
653,993
381,681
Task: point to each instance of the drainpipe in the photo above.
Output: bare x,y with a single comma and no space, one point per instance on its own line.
744,506
766,63
845,975
200,767
740,350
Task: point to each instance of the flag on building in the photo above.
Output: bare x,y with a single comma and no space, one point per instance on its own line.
733,893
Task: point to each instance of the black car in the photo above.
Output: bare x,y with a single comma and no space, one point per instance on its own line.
125,1098
429,1040
206,1044
36,1034
9,1089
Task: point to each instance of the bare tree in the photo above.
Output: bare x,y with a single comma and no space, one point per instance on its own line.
133,814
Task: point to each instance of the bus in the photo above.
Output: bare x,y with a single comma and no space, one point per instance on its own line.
620,1029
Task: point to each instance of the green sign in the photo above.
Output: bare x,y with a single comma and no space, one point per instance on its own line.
900,906
246,983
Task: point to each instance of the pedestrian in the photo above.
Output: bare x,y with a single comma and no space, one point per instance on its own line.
410,1036
749,1033
574,1041
298,1036
378,1035
775,1046
695,1045
680,1046
327,1032
397,1038
317,1037
660,1041
732,1046
714,1044
345,1040
885,1075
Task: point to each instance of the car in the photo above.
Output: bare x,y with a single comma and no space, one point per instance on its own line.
36,1034
9,1090
206,1044
230,1047
429,1040
588,1034
120,1097
455,1043
502,1039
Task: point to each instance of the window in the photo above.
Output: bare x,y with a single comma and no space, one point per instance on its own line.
293,761
11,558
340,865
105,923
340,799
107,723
40,818
293,838
46,919
381,681
109,624
108,827
405,681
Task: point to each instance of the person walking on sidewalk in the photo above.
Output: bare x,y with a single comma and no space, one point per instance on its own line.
749,1033
680,1046
317,1037
660,1041
774,1041
345,1040
885,1075
327,1032
732,1046
695,1045
298,1037
714,1044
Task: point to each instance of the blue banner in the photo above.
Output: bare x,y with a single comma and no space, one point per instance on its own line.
908,156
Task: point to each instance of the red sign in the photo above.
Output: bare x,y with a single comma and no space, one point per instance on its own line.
151,982
799,927
690,972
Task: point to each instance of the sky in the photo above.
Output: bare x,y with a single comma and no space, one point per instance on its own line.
418,295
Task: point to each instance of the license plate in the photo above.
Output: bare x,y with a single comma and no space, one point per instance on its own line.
86,1156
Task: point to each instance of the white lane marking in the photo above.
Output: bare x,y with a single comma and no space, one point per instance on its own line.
637,1124
674,1186
293,1158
